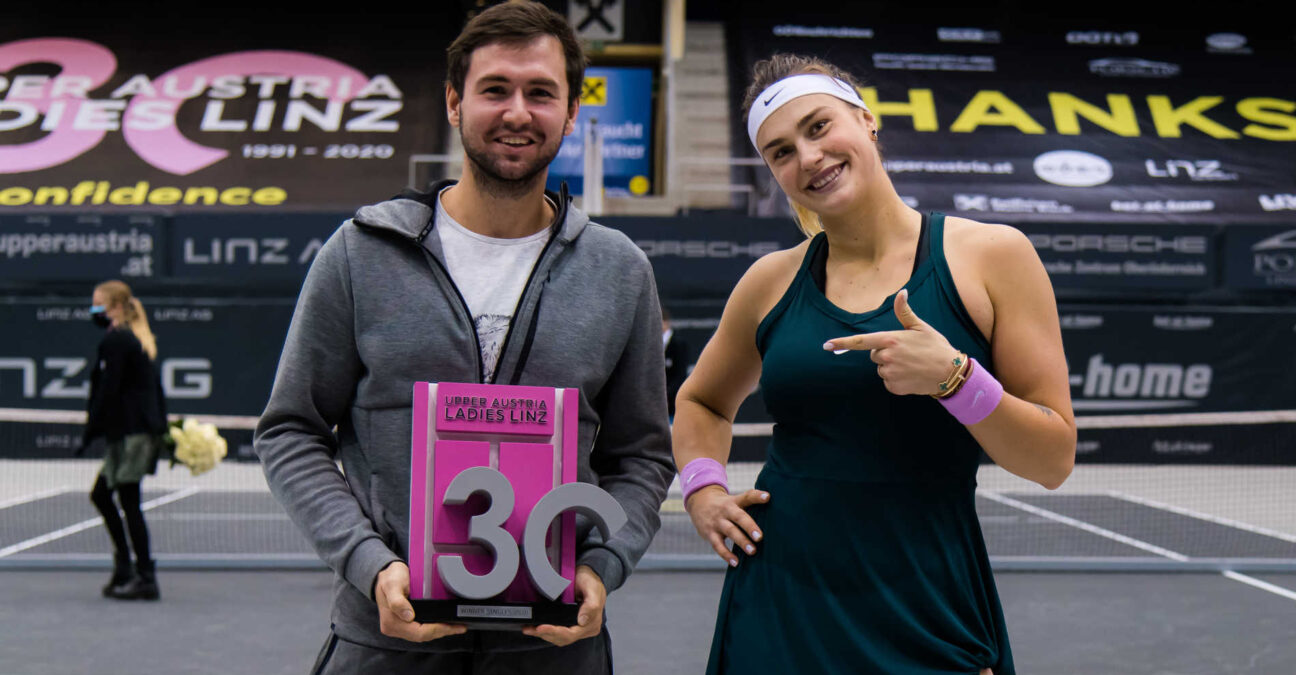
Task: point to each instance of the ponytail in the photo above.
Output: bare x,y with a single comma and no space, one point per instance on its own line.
137,319
806,219
133,313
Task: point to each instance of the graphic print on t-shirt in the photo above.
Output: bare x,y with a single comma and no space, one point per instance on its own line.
490,274
491,329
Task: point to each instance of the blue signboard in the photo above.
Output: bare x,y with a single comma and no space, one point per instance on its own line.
79,247
1260,257
252,248
620,99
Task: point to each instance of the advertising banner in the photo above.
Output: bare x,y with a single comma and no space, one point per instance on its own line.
1178,359
702,257
1260,257
1056,123
1149,385
1182,384
251,249
217,357
1131,257
618,101
85,247
280,116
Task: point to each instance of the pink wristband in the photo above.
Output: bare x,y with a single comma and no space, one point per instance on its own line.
700,473
977,398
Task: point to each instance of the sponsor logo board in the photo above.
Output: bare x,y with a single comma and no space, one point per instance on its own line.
968,35
1122,67
945,62
1073,168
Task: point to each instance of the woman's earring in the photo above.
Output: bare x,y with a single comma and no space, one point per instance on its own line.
875,134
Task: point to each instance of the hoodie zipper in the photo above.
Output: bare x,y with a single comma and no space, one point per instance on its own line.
472,327
560,217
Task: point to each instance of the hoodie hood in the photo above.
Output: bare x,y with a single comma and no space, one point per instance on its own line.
410,214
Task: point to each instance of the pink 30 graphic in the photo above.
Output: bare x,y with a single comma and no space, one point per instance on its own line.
517,447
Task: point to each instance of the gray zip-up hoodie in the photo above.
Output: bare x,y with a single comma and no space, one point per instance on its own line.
378,312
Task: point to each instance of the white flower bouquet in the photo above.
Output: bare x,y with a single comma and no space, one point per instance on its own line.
197,445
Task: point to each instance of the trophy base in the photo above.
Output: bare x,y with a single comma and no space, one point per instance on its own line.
488,615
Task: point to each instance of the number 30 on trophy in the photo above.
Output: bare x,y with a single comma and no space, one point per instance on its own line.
493,503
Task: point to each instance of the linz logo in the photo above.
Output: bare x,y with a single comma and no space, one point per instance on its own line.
1116,67
249,251
1200,170
1096,37
1279,202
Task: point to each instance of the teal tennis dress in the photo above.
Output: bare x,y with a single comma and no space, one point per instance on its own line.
872,559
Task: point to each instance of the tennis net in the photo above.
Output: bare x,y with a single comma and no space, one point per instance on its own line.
1106,516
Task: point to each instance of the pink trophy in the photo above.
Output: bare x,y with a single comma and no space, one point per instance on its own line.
493,496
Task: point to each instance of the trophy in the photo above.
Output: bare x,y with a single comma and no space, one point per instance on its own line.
493,502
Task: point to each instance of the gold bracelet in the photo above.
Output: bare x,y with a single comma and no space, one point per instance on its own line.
956,377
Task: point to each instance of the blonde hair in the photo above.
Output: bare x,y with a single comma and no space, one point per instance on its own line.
119,293
771,70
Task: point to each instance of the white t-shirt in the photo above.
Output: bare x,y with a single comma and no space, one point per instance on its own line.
490,274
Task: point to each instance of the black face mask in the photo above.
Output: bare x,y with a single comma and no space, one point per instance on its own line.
100,317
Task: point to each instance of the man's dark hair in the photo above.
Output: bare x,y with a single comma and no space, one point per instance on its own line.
516,23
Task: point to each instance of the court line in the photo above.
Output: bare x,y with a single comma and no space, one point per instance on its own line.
43,416
1178,557
226,516
87,524
1262,585
1080,524
1218,520
37,496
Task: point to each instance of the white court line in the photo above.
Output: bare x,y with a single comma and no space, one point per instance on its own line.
1262,585
1080,524
1228,574
52,492
42,416
225,516
87,524
1219,520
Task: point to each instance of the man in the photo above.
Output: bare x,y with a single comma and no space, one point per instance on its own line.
485,279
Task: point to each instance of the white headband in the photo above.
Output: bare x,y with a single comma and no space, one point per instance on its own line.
796,86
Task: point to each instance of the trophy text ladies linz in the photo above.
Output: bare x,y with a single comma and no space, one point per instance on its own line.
493,496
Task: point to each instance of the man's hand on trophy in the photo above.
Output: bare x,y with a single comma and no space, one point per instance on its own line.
718,515
396,615
589,618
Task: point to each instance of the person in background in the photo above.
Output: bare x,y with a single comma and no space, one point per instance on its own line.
487,279
892,348
128,411
677,356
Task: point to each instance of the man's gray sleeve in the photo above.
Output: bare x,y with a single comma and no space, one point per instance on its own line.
632,453
294,439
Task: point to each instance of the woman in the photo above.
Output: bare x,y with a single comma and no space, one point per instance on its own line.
870,558
127,409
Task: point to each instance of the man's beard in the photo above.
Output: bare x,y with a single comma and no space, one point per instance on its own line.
489,177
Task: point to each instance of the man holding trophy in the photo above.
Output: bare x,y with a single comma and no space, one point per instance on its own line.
483,301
